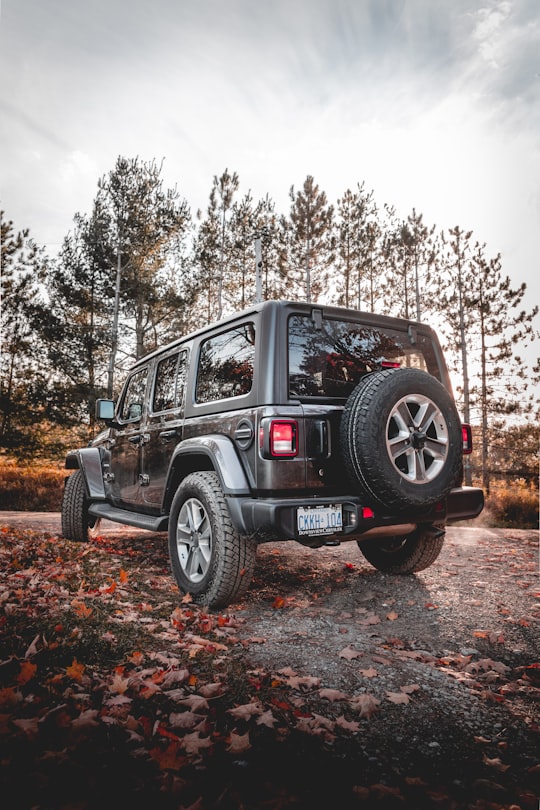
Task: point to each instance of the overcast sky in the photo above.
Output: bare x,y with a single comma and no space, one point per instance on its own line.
434,104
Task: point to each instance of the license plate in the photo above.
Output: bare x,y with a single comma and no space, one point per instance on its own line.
316,520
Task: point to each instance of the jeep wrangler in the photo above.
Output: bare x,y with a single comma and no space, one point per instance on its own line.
288,421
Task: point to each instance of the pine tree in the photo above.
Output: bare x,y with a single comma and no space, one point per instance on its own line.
75,320
310,241
272,231
358,232
23,372
410,251
213,244
147,223
239,278
504,387
225,188
485,327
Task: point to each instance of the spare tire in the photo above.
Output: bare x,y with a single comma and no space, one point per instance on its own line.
401,439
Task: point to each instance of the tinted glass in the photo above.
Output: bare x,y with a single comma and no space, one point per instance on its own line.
226,365
169,387
328,360
132,403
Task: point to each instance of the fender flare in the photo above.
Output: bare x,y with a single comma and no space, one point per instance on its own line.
88,461
221,452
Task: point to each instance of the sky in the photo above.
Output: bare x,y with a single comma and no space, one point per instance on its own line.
432,104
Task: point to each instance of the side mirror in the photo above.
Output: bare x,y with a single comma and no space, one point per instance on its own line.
105,409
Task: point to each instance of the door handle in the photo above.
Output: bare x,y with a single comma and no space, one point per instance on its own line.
167,435
140,438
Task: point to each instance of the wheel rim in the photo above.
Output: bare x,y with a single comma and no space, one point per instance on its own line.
417,438
194,540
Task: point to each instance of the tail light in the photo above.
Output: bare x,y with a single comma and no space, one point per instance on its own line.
390,364
278,438
466,435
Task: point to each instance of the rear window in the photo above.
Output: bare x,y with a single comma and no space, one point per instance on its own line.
226,365
328,358
169,385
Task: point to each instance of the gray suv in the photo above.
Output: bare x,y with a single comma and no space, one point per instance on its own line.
288,421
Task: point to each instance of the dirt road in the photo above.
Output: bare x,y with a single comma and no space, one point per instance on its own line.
384,690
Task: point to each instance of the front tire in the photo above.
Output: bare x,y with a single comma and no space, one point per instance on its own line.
405,555
76,522
209,559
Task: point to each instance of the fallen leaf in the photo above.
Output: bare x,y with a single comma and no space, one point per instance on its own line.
246,710
33,648
370,619
28,725
184,719
193,743
266,719
75,671
347,725
332,694
306,681
86,719
26,673
366,704
81,609
119,684
495,763
168,759
398,697
196,703
210,690
349,653
238,743
368,673
414,687
287,671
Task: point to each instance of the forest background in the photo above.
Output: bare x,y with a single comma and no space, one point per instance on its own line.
141,269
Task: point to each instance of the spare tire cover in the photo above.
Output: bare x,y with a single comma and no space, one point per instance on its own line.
401,439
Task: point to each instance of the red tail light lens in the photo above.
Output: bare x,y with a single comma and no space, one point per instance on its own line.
466,435
279,438
390,364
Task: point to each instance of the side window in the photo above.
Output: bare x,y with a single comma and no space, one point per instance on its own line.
170,379
132,402
226,365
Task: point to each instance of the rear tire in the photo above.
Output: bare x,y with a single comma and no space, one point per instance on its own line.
209,559
405,555
76,521
401,439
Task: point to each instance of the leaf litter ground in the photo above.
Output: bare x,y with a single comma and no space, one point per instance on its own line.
330,685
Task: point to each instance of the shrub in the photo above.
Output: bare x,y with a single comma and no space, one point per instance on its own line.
512,505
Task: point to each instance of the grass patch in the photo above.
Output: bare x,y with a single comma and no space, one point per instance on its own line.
35,487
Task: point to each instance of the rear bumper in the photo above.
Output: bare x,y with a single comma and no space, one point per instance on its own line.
464,503
276,518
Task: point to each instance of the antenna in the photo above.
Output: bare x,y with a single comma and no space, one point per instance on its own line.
258,269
